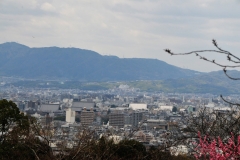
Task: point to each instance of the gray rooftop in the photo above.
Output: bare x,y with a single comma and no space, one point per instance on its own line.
87,105
49,107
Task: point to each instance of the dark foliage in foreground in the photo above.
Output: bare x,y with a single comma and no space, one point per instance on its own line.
23,138
126,149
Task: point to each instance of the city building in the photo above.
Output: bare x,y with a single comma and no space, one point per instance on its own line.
138,106
70,115
49,108
116,119
87,117
79,105
136,117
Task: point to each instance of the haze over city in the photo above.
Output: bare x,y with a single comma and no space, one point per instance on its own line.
136,28
119,79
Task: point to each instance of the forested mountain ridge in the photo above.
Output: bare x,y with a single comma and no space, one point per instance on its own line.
79,64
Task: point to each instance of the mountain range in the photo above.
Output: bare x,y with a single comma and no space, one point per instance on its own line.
77,67
83,65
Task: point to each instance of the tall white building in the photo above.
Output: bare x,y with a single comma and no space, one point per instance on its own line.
70,115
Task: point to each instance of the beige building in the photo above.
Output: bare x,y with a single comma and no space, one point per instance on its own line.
70,115
142,136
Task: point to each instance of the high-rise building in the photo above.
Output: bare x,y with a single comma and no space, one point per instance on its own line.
70,115
136,117
116,119
127,119
87,117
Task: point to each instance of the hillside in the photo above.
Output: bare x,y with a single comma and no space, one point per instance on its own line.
82,65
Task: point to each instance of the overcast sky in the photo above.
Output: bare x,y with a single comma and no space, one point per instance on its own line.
126,28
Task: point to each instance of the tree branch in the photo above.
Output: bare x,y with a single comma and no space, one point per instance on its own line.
230,58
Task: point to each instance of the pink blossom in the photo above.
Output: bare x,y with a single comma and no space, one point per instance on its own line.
217,149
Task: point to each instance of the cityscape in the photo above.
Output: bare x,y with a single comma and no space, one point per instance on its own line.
154,119
119,80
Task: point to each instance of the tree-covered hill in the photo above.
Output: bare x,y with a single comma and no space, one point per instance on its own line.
79,64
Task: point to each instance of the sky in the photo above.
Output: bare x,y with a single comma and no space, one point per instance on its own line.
126,28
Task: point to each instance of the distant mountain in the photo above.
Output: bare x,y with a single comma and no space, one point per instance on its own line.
83,65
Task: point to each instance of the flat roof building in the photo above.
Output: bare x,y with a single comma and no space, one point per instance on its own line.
87,117
138,106
116,119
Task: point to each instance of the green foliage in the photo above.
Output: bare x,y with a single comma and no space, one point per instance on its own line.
174,109
113,106
63,118
130,149
105,119
60,118
10,116
77,119
18,139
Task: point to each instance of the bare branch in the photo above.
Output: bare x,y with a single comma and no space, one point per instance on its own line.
230,57
237,104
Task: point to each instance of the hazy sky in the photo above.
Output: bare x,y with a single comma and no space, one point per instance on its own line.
126,28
